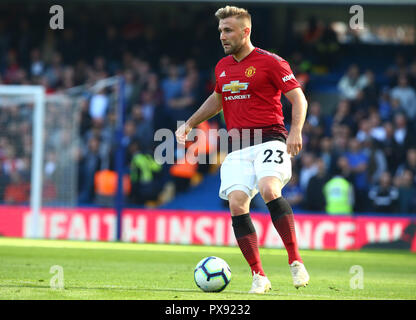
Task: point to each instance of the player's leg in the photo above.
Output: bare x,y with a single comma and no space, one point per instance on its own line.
244,230
284,222
273,168
281,214
246,237
237,186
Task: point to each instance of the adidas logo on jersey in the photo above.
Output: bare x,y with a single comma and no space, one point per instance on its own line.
222,74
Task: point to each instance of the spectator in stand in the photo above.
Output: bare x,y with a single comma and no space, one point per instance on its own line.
343,115
54,70
99,105
172,85
409,165
12,162
18,190
384,105
111,47
315,122
377,131
328,46
37,65
313,129
104,133
327,155
364,130
130,135
147,176
90,163
308,169
181,105
85,119
412,74
315,198
339,140
4,182
372,90
343,169
389,147
407,192
293,193
377,163
403,135
398,67
396,108
407,97
351,83
339,195
12,69
358,162
311,36
130,88
143,127
384,195
142,72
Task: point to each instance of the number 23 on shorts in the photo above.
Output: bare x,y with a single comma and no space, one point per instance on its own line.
269,152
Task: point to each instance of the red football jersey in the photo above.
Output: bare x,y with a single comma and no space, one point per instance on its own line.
251,90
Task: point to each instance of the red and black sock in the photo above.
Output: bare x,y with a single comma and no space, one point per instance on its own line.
284,222
247,241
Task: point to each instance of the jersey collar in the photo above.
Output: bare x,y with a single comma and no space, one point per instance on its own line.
255,48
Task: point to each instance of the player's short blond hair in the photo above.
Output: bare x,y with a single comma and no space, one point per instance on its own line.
231,11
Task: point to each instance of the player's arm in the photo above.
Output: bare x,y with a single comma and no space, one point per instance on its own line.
211,107
299,107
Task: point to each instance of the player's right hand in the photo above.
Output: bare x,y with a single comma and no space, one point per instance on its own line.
294,142
182,132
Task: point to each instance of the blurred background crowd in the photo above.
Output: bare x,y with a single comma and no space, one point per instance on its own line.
359,147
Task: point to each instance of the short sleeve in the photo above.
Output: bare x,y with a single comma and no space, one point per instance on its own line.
217,86
282,76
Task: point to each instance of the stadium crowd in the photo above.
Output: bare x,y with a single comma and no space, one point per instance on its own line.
369,140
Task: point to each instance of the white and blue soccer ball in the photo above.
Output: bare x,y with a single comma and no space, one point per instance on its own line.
212,274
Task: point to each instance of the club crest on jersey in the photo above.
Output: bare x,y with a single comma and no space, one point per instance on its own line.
235,86
250,71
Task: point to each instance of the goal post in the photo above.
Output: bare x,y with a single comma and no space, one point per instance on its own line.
53,145
37,93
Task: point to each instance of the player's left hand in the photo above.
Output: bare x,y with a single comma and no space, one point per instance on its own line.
182,133
294,142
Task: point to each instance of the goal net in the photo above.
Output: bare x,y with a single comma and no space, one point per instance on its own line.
43,138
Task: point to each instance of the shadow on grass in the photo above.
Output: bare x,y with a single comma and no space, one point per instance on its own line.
182,290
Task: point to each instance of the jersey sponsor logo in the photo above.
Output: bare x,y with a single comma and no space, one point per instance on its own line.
237,97
222,74
288,77
250,71
235,86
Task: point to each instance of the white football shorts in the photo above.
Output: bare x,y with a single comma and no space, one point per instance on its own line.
242,169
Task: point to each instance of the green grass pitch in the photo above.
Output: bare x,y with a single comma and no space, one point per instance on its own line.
97,270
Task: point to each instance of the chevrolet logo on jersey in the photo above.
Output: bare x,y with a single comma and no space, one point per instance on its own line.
234,86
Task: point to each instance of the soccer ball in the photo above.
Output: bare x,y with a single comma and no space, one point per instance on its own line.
212,274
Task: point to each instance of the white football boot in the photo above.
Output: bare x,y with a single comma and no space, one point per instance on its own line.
299,274
260,284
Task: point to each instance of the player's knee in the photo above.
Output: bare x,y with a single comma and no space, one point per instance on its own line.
270,192
239,203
